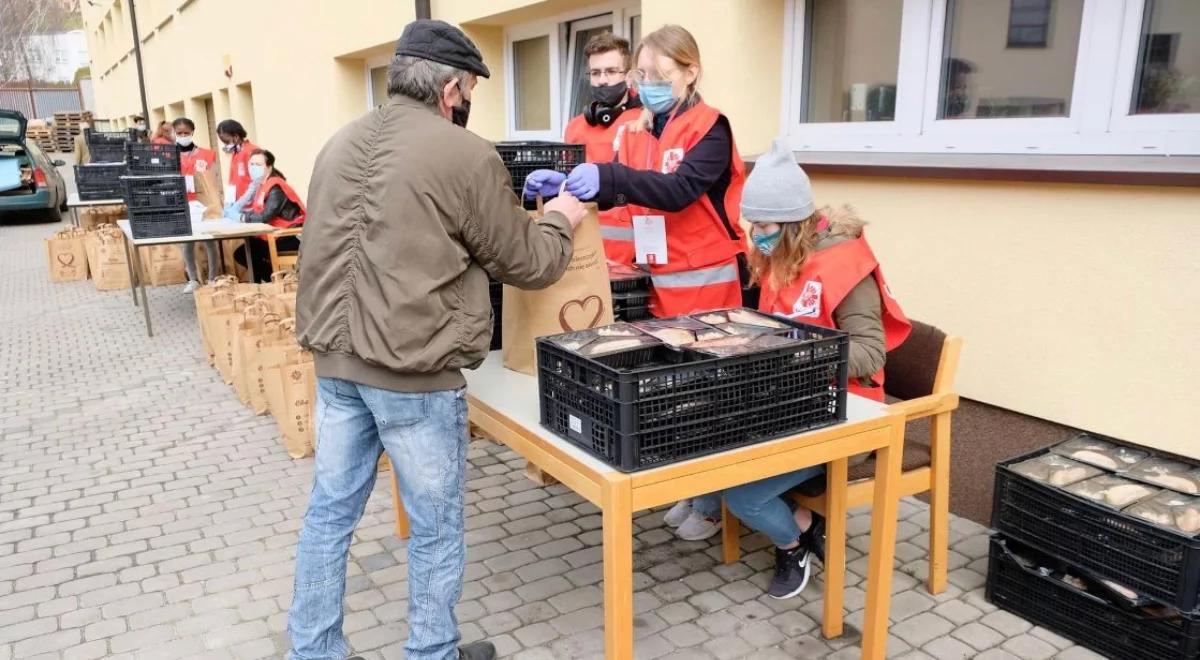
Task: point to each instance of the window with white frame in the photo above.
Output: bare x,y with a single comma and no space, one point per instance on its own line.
547,76
994,76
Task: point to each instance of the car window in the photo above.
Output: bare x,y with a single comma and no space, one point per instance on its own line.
9,127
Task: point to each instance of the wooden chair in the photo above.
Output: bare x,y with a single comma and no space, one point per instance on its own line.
285,260
920,373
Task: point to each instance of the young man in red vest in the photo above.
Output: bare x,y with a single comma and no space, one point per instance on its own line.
192,159
612,104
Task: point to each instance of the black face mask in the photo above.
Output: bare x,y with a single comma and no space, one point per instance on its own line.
459,114
610,95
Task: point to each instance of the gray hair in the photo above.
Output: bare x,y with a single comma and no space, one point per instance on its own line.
421,79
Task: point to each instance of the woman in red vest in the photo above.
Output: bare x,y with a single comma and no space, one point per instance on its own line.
163,134
195,159
814,266
232,135
679,174
275,204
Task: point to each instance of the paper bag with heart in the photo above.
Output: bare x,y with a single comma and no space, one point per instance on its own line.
66,256
582,299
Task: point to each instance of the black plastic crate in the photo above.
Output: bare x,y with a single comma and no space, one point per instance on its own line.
1153,561
160,225
107,138
632,313
658,405
1122,633
631,285
99,181
631,306
156,192
522,158
143,158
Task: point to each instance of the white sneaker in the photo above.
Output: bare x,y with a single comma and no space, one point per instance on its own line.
698,528
192,285
678,513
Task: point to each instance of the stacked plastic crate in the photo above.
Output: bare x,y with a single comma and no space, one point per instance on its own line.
1098,541
155,191
100,180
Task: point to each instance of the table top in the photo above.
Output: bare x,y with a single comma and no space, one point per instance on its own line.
515,396
202,230
73,200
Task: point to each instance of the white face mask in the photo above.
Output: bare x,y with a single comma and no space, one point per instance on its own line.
183,140
140,126
228,148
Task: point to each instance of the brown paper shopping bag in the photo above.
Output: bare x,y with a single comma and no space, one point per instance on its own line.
66,256
250,309
293,401
106,258
163,264
582,299
203,298
208,193
253,337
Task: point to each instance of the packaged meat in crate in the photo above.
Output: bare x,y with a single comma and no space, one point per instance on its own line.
1100,614
1155,560
630,397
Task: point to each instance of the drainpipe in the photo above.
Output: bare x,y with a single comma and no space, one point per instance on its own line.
423,9
137,55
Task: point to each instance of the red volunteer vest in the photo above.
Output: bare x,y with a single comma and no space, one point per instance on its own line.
196,160
239,170
823,283
701,272
616,227
260,200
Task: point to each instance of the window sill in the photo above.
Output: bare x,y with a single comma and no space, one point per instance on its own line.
1112,170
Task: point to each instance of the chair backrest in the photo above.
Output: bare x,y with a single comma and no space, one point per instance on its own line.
912,367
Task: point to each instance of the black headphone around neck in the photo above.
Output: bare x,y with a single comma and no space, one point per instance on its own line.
597,113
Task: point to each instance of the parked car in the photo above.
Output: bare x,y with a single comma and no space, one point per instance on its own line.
29,180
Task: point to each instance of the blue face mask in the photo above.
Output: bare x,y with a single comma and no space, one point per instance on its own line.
657,97
766,243
257,172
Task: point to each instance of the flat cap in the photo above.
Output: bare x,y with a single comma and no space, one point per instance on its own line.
438,41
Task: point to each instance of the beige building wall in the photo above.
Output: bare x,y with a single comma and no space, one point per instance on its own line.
1075,301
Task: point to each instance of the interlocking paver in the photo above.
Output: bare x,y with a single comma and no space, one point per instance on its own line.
144,511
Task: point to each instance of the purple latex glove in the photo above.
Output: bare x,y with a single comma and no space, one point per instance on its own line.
584,181
543,182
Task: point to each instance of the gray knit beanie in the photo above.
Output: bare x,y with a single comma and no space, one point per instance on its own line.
777,190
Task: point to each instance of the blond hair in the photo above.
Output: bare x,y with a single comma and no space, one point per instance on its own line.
677,43
797,243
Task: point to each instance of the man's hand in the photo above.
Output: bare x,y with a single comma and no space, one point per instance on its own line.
569,206
543,182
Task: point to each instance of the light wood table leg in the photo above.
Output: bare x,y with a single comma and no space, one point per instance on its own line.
617,507
883,546
402,526
477,432
537,476
835,547
731,533
939,504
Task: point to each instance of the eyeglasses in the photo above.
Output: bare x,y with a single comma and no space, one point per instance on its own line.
641,77
605,74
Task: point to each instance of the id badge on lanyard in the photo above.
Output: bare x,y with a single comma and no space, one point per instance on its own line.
650,231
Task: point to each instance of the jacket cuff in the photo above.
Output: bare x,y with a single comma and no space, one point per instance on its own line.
558,221
605,197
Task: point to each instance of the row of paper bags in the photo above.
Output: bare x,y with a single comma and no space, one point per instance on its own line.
76,254
249,336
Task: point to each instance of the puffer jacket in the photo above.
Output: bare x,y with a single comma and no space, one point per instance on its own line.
407,216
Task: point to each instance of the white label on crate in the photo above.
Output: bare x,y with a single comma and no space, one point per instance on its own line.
190,182
575,423
154,161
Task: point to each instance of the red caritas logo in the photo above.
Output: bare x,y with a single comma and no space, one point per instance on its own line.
671,159
809,301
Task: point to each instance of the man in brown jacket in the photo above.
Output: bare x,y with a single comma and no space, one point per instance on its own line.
408,214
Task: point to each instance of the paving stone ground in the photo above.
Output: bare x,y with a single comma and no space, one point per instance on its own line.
145,513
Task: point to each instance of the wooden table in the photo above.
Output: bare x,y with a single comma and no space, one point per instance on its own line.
505,405
202,230
74,204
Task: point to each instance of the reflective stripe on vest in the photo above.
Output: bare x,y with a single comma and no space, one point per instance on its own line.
611,233
694,278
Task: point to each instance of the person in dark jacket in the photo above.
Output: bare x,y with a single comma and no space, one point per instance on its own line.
275,204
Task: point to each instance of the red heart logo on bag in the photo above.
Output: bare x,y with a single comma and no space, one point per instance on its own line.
574,311
70,258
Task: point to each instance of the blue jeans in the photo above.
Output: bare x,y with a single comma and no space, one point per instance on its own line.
760,506
425,436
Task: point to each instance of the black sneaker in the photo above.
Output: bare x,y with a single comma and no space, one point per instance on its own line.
814,537
477,651
792,568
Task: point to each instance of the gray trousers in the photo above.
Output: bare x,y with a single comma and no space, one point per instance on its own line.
212,250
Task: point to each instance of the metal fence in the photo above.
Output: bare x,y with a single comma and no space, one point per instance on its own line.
40,102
